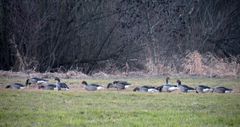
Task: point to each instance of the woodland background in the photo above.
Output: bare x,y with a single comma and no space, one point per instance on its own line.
196,37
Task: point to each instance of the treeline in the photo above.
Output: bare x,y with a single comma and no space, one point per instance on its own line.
90,35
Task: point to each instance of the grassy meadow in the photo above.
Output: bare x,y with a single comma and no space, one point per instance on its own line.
78,107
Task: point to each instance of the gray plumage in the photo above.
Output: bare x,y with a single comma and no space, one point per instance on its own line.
168,87
222,90
149,89
184,88
15,86
36,80
60,85
47,87
119,85
91,87
122,82
203,89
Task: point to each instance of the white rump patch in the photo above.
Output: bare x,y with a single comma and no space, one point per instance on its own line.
173,88
22,88
206,90
100,88
152,90
127,86
228,91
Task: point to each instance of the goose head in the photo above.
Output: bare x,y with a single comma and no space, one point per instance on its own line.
27,82
115,82
57,79
178,82
167,80
109,85
84,83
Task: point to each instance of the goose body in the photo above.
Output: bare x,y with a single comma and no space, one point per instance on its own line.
167,87
153,90
36,80
184,88
203,89
149,89
140,89
15,86
47,87
63,86
122,82
222,90
119,85
92,87
60,86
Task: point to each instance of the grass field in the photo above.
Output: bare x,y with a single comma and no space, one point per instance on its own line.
78,107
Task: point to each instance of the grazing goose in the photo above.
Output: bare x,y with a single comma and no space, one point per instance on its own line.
167,87
119,85
91,87
35,81
60,85
203,89
126,84
47,87
222,90
149,89
184,88
15,86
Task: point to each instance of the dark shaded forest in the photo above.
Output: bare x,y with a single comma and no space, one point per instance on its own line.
117,35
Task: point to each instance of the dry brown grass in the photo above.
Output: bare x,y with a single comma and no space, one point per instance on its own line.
197,64
29,74
193,64
159,69
210,65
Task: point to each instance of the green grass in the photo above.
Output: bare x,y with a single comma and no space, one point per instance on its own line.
120,109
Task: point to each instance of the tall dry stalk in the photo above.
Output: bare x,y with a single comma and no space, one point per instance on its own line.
193,64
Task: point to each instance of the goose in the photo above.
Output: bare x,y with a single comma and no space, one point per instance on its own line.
119,85
116,85
126,84
221,89
149,89
47,87
35,80
203,89
167,87
15,86
60,85
91,87
184,88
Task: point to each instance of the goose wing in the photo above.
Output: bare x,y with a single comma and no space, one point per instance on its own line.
188,87
204,86
63,85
